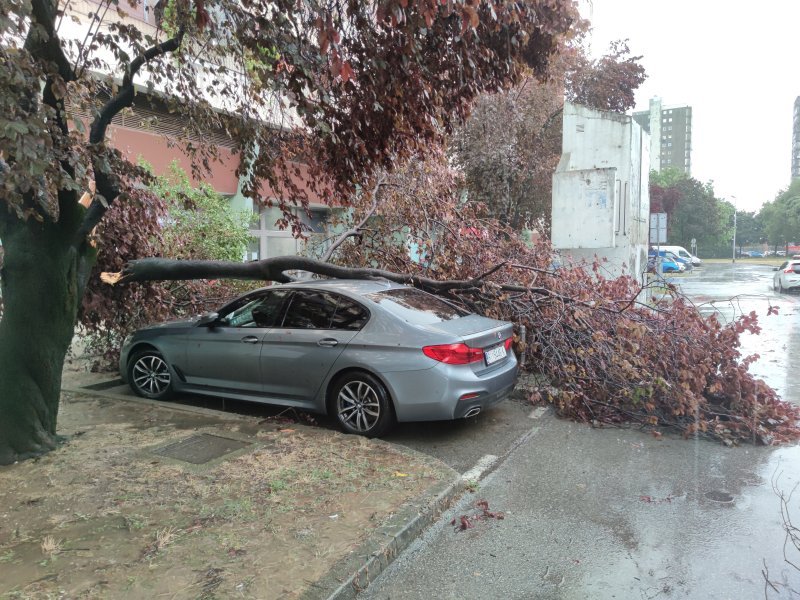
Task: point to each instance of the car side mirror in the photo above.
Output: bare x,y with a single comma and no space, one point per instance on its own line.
207,318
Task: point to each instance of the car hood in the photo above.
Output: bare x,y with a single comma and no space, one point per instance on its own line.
178,324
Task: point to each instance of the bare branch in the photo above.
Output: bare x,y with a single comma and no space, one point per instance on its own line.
354,231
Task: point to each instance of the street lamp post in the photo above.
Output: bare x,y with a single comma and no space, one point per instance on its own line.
733,253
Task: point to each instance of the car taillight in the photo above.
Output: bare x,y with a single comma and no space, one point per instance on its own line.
508,343
789,270
453,354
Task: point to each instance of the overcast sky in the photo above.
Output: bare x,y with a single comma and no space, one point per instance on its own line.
735,63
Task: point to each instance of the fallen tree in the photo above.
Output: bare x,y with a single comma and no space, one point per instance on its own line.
313,97
607,355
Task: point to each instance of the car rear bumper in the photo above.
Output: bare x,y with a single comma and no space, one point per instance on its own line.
435,394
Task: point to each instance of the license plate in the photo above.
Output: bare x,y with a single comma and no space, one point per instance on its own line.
495,354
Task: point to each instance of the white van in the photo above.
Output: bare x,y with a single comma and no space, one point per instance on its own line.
683,253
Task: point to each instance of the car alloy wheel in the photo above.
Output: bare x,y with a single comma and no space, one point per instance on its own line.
149,375
362,405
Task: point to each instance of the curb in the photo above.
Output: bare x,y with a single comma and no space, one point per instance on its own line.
386,544
198,410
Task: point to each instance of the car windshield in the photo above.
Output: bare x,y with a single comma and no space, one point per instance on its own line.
416,306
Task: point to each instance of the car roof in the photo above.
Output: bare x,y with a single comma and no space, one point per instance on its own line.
356,287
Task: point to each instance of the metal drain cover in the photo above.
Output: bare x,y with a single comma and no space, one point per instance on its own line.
201,448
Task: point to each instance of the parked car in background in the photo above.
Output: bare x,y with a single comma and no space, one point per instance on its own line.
682,252
787,276
667,264
682,262
670,257
366,352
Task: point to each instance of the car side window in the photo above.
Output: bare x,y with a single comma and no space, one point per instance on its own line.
310,309
261,312
349,315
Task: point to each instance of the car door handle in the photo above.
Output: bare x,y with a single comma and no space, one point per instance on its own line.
327,342
250,339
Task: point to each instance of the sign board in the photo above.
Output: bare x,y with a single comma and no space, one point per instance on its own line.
658,228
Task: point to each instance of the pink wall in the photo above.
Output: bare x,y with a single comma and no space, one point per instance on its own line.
154,149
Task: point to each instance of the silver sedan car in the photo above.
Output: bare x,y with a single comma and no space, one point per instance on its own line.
369,352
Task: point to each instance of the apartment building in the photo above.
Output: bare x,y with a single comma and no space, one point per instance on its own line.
796,140
670,129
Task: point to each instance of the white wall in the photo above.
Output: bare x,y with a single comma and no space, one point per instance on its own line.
601,202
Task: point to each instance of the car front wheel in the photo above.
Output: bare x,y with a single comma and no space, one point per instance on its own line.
361,405
149,375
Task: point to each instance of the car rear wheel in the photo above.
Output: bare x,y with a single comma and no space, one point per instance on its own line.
780,286
361,405
149,375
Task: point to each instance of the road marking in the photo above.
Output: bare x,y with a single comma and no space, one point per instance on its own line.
538,412
484,464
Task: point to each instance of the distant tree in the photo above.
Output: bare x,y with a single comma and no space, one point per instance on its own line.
781,217
511,144
693,211
608,83
749,229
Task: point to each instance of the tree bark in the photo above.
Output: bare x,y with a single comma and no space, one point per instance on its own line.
40,289
274,269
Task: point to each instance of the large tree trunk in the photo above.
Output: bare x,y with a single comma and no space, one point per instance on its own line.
41,294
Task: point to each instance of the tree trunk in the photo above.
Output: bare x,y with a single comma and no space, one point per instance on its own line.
40,291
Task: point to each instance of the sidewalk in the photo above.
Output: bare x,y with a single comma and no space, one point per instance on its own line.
148,500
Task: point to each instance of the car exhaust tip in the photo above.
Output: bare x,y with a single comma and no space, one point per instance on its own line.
472,412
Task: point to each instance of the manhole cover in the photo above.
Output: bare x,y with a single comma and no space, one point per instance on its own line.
201,448
719,496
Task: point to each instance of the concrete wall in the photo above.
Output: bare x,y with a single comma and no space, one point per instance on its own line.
601,202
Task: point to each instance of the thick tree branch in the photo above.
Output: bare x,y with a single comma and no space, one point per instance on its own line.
357,229
274,269
105,182
42,41
124,97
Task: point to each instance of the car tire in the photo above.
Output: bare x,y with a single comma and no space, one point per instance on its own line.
149,375
780,286
361,405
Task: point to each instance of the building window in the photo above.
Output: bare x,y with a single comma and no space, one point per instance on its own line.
267,240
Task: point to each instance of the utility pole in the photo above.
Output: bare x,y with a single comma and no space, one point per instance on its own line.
733,255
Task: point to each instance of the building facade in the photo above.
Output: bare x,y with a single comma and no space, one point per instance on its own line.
149,130
601,200
796,140
670,129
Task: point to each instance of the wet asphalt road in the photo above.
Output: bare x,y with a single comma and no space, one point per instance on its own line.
610,513
730,290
